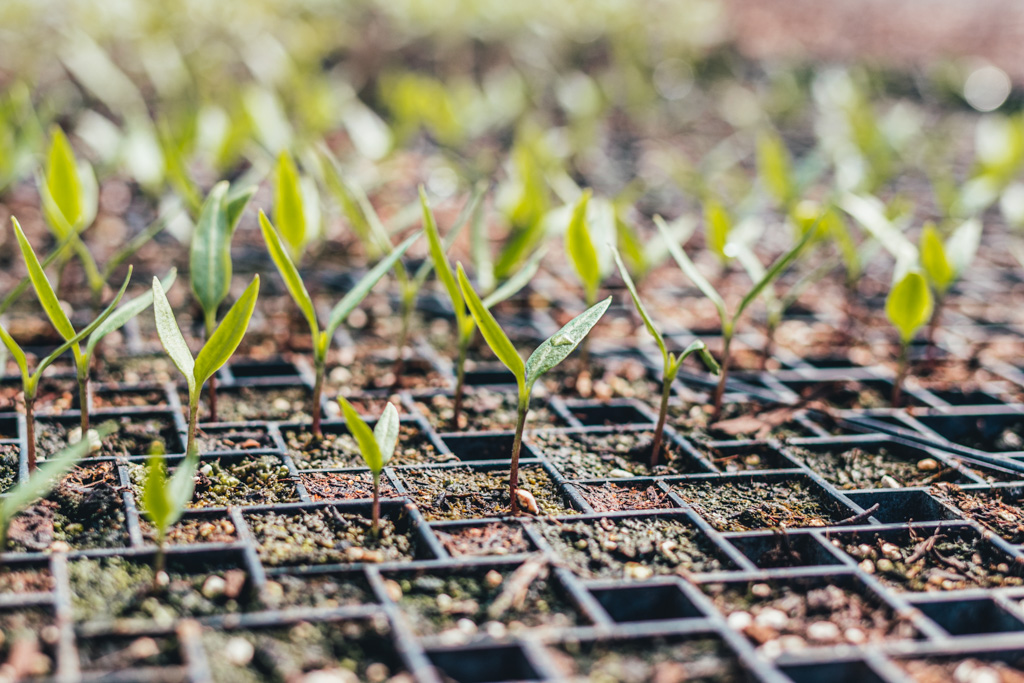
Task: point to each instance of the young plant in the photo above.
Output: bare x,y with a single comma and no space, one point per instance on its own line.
546,356
464,322
376,446
48,299
215,352
944,263
728,321
322,336
43,479
164,498
296,208
908,307
671,362
210,258
585,259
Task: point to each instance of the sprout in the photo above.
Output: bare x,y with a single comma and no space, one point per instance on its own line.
729,321
908,307
210,258
585,259
43,479
546,356
322,337
296,208
943,264
671,362
464,322
775,169
217,350
48,298
164,498
376,446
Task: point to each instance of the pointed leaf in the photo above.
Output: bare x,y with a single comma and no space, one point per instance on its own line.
363,435
16,352
47,297
909,305
234,207
690,270
520,279
699,347
717,226
210,255
558,347
289,213
62,180
355,295
440,260
228,335
182,484
775,168
385,432
581,248
479,245
492,332
170,336
933,259
776,269
290,275
640,308
155,504
126,312
460,222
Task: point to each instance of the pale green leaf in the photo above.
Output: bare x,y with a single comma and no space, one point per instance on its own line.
47,297
717,226
156,505
909,305
776,269
640,308
581,248
557,348
126,312
699,347
963,244
182,484
933,259
775,168
234,207
363,435
210,254
16,353
516,282
492,332
440,259
228,335
480,247
385,432
690,270
62,180
170,336
289,212
290,275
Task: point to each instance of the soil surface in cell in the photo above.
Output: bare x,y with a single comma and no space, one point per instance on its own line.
337,450
485,410
872,467
611,454
701,660
495,538
746,505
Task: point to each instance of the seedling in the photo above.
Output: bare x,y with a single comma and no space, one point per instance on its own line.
546,356
215,352
164,498
322,336
296,208
48,298
210,258
908,307
585,259
43,479
464,322
728,321
376,446
944,263
671,362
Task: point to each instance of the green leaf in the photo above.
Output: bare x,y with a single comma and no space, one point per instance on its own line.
183,483
717,226
16,352
355,295
363,435
228,335
775,270
126,312
441,265
581,249
47,297
156,505
640,308
690,270
170,336
909,305
62,180
699,347
289,213
520,279
210,255
775,168
234,207
558,347
962,245
290,275
479,245
385,432
420,278
492,332
933,259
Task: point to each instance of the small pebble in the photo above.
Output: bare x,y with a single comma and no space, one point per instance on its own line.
855,636
823,632
214,587
620,474
761,590
772,618
493,578
239,651
927,464
739,621
637,571
393,590
867,566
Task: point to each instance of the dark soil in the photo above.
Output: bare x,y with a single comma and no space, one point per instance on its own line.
632,547
743,506
128,398
465,493
698,660
604,378
609,497
340,450
344,485
496,538
245,403
9,464
134,436
115,654
325,535
611,454
871,467
738,421
485,410
987,508
253,480
320,591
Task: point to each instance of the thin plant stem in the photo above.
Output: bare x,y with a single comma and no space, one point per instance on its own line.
513,476
193,418
211,322
460,381
769,343
160,561
659,430
30,432
720,389
901,374
376,505
933,327
318,390
403,339
83,400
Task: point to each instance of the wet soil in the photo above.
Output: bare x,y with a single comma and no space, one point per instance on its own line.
344,485
252,480
325,535
872,467
495,538
466,493
698,660
632,547
612,454
747,505
486,410
337,450
609,497
988,508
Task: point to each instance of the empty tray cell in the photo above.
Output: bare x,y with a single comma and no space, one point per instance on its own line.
652,602
149,657
472,447
747,503
283,402
782,549
348,485
149,396
608,414
748,457
486,411
874,464
250,371
856,671
931,558
993,433
337,449
998,667
234,438
633,547
233,480
317,589
135,433
978,616
620,453
897,506
491,664
740,421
